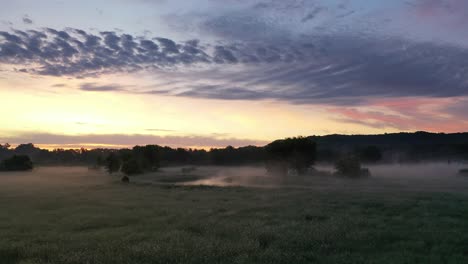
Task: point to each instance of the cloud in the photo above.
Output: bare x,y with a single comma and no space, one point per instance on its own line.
27,20
168,45
241,25
338,69
92,87
429,8
372,118
75,52
223,55
6,23
458,109
159,130
429,114
128,140
311,15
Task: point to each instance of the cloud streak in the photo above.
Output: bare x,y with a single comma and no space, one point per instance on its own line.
129,140
409,114
27,20
92,87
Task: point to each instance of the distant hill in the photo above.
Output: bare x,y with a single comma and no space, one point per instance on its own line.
398,147
392,139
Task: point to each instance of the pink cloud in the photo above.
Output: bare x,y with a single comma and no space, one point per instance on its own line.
429,114
448,12
371,118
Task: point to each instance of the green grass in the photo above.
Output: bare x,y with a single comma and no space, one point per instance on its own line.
109,222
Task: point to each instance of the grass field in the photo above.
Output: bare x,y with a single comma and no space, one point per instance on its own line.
70,215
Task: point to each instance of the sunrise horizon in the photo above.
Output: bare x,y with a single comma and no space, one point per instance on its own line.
247,72
174,142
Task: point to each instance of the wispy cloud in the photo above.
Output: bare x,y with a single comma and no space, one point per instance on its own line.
129,140
27,20
92,87
430,114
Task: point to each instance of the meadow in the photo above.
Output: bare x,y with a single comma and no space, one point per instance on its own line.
76,215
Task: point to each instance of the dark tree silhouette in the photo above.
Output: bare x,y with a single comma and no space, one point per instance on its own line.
292,153
125,179
17,163
350,166
4,151
399,147
131,167
147,157
5,146
112,163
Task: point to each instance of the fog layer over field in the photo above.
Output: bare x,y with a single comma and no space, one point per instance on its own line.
45,177
437,176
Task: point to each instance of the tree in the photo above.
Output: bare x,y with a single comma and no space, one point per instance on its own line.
147,157
5,146
350,166
5,151
292,153
150,158
26,149
17,163
131,167
112,163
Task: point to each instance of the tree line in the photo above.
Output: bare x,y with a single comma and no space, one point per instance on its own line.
166,156
278,157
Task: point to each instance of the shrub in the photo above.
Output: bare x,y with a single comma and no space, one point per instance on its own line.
350,166
17,163
125,179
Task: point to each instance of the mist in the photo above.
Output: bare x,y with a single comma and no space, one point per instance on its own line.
53,177
426,176
410,177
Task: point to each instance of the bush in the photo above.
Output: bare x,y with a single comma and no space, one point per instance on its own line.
17,163
125,179
350,166
131,167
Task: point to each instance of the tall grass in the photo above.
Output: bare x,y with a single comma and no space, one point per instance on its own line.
104,221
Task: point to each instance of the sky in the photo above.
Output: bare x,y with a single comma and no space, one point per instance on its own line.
207,73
